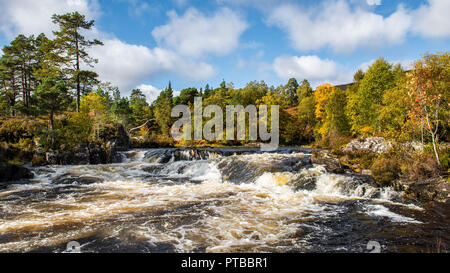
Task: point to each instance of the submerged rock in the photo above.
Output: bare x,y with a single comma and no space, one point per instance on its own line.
72,179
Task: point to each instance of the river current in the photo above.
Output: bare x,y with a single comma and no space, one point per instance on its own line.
210,200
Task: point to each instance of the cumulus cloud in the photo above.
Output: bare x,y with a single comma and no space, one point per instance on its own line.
194,34
432,20
33,17
125,64
150,92
312,68
338,26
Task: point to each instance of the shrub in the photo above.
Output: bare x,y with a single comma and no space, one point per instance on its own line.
423,166
385,169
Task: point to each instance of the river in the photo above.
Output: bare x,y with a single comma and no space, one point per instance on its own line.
210,200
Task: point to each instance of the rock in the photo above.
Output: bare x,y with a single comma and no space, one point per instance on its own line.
10,172
376,145
117,138
332,164
78,157
366,172
68,179
442,209
434,189
92,154
414,146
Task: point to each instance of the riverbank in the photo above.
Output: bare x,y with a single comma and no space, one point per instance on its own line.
405,167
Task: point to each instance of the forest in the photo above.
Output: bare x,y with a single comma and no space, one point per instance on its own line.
51,101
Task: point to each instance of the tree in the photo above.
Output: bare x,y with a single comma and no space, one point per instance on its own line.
88,79
369,98
429,85
307,118
74,45
290,91
393,115
163,110
186,96
53,97
336,118
248,95
9,81
22,50
95,107
304,90
140,110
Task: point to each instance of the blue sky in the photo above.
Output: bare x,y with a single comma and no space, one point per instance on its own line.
195,42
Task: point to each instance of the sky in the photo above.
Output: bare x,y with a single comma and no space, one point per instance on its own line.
191,43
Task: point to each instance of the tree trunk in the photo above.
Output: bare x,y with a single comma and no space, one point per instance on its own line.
434,139
78,73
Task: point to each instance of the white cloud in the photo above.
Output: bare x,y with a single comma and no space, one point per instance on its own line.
373,2
336,25
194,34
433,20
125,64
33,17
312,67
150,92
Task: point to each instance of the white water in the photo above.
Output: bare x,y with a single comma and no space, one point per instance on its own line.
188,205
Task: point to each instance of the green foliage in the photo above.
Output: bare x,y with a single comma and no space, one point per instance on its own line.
369,98
163,110
53,97
304,90
186,96
336,117
307,119
290,92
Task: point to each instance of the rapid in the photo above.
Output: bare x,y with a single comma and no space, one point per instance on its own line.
210,200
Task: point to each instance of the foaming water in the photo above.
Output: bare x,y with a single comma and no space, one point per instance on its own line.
201,201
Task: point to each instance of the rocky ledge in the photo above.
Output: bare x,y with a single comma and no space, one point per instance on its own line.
114,140
435,189
430,190
10,172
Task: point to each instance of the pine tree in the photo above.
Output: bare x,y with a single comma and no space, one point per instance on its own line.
74,46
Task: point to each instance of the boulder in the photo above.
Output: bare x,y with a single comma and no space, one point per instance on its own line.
117,138
332,163
433,189
68,179
91,154
377,145
10,172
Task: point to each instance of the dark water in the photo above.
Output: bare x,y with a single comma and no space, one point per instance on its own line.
211,200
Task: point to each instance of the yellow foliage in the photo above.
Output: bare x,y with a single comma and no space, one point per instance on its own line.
366,131
94,106
322,94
